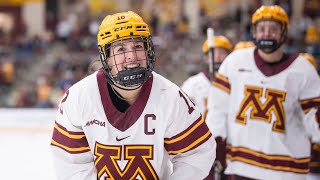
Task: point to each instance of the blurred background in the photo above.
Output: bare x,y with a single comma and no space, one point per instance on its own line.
48,45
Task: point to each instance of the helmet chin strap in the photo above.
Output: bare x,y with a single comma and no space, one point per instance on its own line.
111,82
127,89
129,79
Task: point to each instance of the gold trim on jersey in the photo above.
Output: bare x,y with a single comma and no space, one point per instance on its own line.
315,160
273,162
316,147
195,135
179,138
308,104
314,164
222,83
191,145
72,142
263,110
66,133
79,149
107,157
205,112
223,78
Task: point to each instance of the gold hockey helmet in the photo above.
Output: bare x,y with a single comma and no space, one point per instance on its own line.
219,41
130,27
121,26
243,44
275,13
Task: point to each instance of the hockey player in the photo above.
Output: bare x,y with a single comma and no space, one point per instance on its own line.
126,121
197,88
314,164
260,102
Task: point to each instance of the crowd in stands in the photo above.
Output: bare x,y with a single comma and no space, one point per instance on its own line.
36,71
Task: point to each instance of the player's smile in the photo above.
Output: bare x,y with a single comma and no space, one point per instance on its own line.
131,65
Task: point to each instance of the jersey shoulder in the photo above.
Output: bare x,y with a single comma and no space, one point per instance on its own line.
171,98
86,85
302,65
194,80
83,91
242,59
240,55
161,82
164,88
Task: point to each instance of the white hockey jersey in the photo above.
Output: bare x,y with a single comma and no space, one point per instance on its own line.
267,114
197,88
159,133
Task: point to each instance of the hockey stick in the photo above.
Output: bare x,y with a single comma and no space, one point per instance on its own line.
210,36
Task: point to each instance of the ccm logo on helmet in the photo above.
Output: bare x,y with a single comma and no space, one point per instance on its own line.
122,28
132,77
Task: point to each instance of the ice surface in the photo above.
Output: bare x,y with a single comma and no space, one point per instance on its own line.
25,144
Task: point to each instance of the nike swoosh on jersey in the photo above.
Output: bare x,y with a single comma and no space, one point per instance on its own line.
120,139
244,70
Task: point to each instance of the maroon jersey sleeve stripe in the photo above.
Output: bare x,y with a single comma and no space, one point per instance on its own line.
195,135
306,104
274,162
72,142
222,83
315,159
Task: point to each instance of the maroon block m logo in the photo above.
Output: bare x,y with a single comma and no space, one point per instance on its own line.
262,111
138,161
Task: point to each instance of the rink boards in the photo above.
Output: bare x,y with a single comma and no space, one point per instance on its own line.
25,138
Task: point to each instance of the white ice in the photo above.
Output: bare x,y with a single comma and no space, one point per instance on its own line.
25,144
